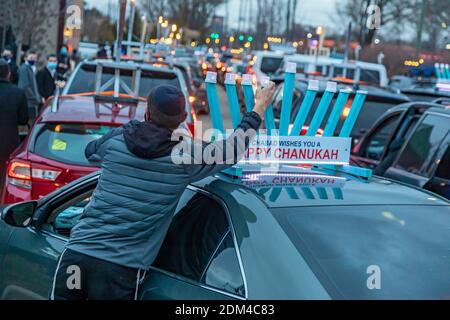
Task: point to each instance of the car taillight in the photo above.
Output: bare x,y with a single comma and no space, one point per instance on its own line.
19,174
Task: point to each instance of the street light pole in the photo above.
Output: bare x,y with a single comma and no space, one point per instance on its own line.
131,23
120,25
419,30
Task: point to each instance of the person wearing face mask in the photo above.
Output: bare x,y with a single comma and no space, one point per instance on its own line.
46,77
8,57
63,62
27,82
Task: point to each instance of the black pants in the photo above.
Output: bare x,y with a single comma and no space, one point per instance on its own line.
81,277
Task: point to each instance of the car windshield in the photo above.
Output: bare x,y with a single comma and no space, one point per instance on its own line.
66,142
270,65
84,80
403,250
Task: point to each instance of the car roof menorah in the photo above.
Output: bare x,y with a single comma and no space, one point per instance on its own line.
442,71
283,131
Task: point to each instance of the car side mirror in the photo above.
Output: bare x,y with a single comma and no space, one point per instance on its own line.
19,214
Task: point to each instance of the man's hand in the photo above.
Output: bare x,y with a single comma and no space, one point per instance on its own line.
263,98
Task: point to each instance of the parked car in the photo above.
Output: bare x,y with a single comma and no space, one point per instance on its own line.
410,143
305,234
426,90
264,63
53,153
194,82
377,102
332,68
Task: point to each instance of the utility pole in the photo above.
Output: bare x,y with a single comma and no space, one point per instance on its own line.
120,25
419,29
131,24
347,42
288,19
240,16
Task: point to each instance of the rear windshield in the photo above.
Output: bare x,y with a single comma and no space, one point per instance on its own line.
84,80
270,65
368,76
66,142
374,252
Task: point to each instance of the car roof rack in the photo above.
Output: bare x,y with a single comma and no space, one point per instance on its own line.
287,131
116,82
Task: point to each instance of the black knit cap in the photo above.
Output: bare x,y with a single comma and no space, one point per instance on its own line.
167,106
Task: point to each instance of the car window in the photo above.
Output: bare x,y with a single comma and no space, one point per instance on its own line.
64,218
197,245
370,76
423,145
66,142
378,140
270,65
224,272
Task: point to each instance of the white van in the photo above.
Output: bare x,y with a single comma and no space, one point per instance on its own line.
370,73
266,63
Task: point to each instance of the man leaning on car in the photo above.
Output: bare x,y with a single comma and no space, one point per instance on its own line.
124,225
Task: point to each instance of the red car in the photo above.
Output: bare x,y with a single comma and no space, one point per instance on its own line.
53,153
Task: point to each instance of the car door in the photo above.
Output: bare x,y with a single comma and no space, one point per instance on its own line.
198,259
32,253
415,160
373,147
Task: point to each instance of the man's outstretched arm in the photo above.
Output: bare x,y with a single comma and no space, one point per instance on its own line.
219,155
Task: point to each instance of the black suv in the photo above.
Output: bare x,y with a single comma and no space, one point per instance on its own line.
410,143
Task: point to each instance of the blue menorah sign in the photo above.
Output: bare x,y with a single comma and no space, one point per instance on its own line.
285,117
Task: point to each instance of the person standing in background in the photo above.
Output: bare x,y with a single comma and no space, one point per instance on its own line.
102,53
8,56
13,112
75,58
46,77
63,62
27,82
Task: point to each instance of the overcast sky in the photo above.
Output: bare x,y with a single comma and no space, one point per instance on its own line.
309,12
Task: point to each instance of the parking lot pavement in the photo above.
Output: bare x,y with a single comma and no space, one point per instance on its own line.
206,119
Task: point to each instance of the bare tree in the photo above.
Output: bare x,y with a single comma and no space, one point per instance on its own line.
392,13
30,20
193,14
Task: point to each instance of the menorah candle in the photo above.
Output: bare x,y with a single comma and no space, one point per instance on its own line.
288,93
353,114
339,105
213,100
247,88
324,104
233,102
310,96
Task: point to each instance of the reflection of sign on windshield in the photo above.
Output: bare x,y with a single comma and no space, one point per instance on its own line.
59,145
261,180
294,149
